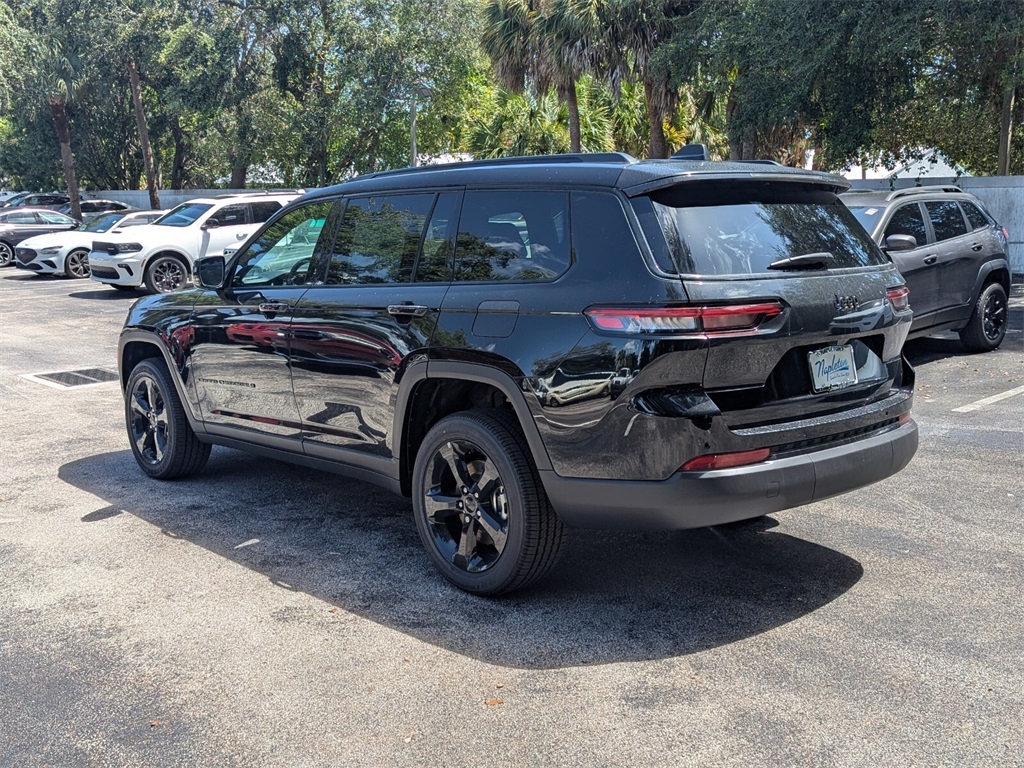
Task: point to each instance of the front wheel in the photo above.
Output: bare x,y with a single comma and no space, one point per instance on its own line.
166,274
76,265
6,254
481,511
162,440
987,327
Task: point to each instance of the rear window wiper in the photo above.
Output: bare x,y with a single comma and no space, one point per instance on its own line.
803,261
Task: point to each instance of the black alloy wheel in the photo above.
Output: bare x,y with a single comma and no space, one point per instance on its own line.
6,255
166,274
987,327
76,265
480,508
162,440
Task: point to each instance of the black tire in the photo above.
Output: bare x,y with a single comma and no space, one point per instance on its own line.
166,274
516,537
162,440
76,264
6,254
987,327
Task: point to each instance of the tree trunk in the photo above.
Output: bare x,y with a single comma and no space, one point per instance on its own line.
659,147
60,124
1005,132
180,150
140,121
568,94
732,108
747,147
238,174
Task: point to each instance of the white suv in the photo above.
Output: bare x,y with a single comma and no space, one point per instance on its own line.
160,255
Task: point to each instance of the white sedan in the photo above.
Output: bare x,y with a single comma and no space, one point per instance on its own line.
67,253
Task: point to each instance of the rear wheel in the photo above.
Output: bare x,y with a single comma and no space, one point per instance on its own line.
166,274
480,508
6,254
162,440
76,265
987,326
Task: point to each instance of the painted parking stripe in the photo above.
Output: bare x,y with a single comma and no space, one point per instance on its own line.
989,400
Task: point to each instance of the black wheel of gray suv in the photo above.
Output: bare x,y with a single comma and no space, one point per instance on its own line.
6,254
76,265
987,326
480,509
162,440
166,274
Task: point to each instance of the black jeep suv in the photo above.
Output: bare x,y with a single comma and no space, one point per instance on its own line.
952,254
525,344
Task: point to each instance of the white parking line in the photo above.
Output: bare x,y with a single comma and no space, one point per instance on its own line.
989,400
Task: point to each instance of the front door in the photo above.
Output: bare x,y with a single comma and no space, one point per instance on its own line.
919,266
240,351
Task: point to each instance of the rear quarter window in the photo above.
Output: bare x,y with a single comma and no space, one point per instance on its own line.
740,229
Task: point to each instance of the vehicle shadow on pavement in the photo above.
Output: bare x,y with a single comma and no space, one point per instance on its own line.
106,294
614,597
928,349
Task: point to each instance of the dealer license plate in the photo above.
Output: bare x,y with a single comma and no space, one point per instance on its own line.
832,368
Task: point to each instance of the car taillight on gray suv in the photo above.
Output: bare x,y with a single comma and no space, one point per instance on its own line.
527,344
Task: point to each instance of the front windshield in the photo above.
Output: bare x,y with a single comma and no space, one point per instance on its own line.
868,216
101,223
184,215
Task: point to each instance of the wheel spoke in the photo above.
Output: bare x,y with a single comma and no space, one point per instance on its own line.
467,546
487,482
456,462
159,443
139,406
440,507
493,527
141,440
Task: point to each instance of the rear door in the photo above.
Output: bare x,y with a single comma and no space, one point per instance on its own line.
836,341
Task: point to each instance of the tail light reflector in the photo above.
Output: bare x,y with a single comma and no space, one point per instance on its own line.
726,460
899,297
904,418
730,319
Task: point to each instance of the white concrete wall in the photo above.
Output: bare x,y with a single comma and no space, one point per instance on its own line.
1003,196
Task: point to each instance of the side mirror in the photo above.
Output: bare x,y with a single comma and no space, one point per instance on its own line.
210,271
900,243
211,224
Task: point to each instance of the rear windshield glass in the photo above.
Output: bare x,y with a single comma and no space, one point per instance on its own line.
868,215
739,229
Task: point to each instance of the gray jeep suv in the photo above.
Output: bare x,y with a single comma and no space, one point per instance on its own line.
952,254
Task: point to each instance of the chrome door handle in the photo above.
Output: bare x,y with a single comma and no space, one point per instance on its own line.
407,310
930,259
273,306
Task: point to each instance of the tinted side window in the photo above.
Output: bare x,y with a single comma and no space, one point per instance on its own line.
907,220
947,221
520,235
379,239
435,262
283,253
52,217
22,218
974,216
230,215
263,211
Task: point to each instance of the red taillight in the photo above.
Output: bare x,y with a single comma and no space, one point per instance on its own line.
1006,235
899,297
731,319
904,418
725,460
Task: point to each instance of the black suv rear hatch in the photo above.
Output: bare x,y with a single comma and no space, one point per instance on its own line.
833,342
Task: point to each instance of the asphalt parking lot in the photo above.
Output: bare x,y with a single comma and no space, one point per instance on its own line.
266,615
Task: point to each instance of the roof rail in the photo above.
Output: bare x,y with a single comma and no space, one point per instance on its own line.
920,191
253,192
610,158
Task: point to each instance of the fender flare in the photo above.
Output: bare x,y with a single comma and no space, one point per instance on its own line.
154,339
985,271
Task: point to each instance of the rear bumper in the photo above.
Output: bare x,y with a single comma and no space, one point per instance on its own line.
698,499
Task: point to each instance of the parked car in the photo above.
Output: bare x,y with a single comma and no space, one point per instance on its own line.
18,224
438,310
951,252
160,256
15,200
96,206
67,253
49,200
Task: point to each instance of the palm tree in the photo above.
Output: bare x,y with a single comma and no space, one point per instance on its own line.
545,43
54,78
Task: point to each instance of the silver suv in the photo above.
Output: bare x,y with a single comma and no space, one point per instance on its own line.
952,254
